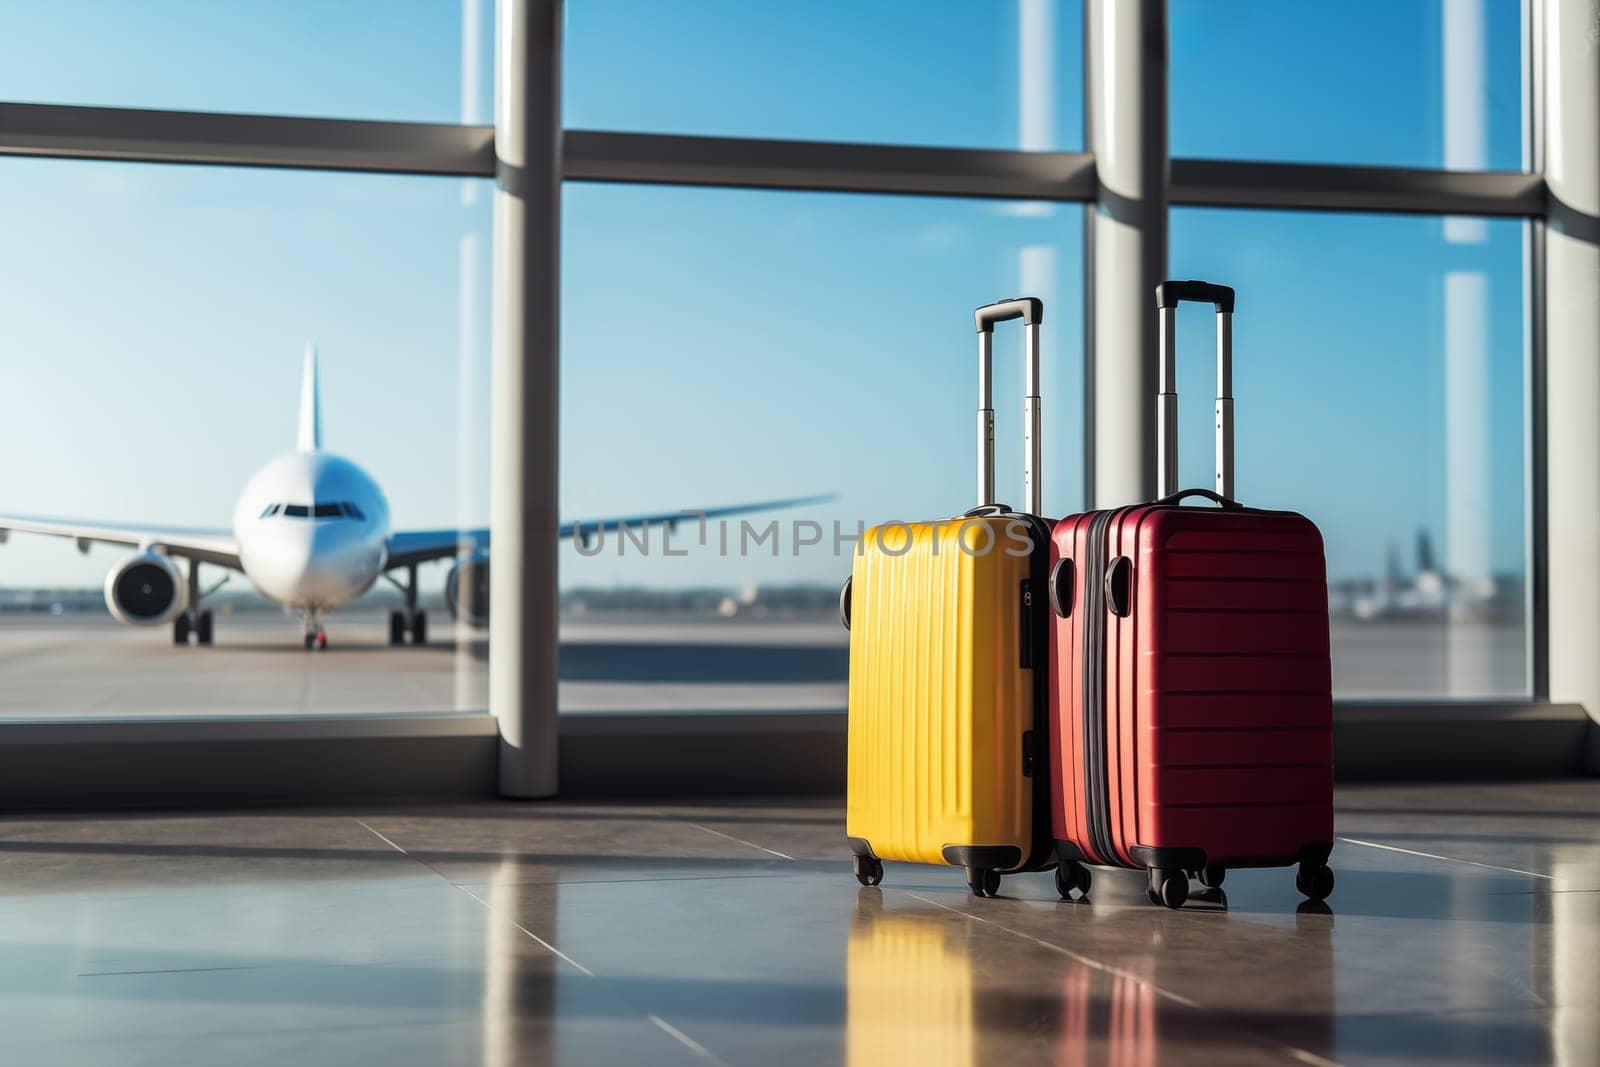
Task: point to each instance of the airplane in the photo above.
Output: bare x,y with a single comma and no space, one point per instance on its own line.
1430,593
311,533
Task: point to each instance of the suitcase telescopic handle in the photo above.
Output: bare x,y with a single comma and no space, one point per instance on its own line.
1030,309
1168,296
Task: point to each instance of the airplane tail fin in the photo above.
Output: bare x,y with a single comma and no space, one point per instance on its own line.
310,408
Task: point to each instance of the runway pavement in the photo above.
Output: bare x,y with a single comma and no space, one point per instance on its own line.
87,666
83,666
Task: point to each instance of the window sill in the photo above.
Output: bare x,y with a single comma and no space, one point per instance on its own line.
299,759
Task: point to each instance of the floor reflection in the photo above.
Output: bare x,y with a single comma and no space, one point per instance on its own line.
1122,1025
930,985
1575,959
910,988
517,984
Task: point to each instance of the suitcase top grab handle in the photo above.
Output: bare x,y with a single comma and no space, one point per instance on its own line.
1030,309
1168,296
1171,294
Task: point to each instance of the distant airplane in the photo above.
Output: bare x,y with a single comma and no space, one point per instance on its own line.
1430,592
311,532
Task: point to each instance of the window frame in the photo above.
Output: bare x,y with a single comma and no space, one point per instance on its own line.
467,150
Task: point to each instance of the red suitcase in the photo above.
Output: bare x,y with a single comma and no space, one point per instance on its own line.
1191,705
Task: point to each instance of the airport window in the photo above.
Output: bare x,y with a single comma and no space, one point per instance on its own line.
985,75
208,285
1379,382
431,61
841,361
1434,85
850,304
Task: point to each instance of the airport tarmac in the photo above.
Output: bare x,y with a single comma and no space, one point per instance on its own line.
78,666
83,666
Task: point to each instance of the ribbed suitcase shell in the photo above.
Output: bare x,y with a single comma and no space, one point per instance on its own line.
940,701
1217,707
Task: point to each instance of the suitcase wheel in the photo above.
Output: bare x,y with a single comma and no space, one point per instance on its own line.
1211,875
869,870
1073,876
1315,882
983,881
1168,886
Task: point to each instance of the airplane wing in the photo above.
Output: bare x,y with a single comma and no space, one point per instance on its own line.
407,547
208,546
419,546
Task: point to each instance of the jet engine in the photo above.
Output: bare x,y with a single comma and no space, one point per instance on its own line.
146,590
466,590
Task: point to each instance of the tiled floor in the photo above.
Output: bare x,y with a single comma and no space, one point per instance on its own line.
1465,928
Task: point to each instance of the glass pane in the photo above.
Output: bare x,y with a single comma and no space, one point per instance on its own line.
1372,82
723,347
980,75
154,328
362,59
1378,370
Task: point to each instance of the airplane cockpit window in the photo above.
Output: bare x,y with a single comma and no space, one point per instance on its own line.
336,510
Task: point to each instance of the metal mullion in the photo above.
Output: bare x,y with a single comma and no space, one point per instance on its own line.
525,439
73,132
1336,187
138,135
669,159
1536,598
214,138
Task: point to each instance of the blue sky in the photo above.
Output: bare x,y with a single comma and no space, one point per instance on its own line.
152,317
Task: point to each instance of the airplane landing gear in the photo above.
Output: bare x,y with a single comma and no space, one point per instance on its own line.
412,620
193,620
198,623
400,627
316,636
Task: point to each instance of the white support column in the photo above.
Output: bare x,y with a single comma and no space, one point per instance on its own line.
1469,515
525,404
1125,44
1037,263
469,389
1571,308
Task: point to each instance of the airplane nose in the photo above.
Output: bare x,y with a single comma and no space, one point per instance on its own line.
321,565
327,577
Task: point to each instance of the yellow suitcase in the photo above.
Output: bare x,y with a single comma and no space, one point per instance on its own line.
948,761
